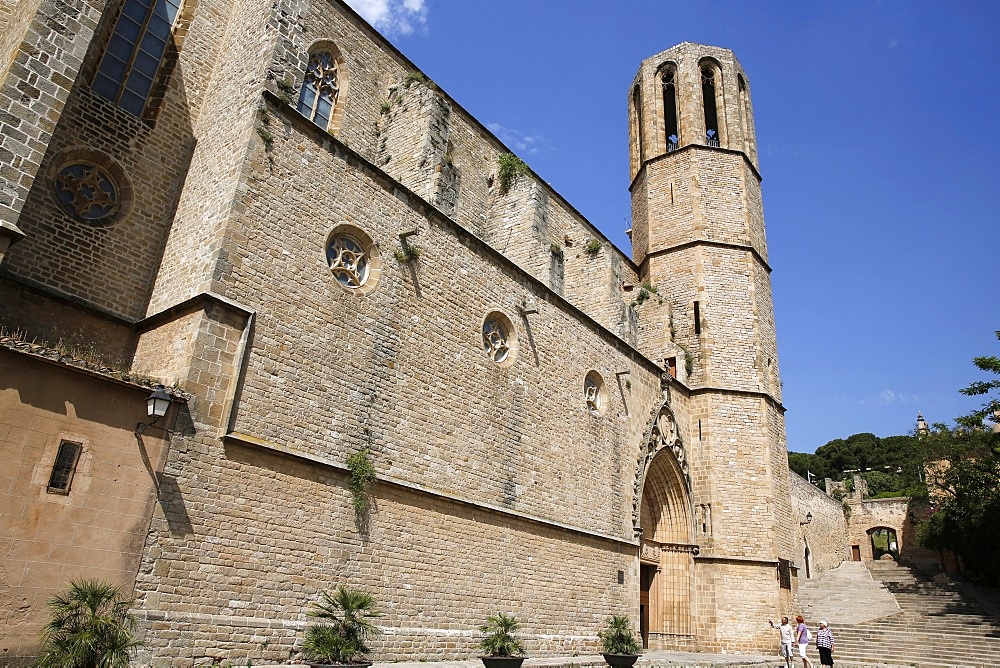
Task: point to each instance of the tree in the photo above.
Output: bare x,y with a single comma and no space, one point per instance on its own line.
964,482
91,627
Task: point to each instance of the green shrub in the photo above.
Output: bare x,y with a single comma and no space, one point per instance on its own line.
91,626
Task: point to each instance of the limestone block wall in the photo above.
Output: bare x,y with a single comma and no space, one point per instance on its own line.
42,52
395,117
735,113
875,513
823,543
94,531
477,461
699,194
194,259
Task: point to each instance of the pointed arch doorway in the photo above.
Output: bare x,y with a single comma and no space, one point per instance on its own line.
665,520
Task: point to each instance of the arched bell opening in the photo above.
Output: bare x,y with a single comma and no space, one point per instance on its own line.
667,550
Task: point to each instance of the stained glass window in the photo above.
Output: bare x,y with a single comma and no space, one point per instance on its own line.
133,55
320,89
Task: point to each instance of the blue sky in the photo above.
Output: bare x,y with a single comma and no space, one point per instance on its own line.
881,165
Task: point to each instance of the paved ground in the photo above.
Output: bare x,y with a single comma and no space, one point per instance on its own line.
649,658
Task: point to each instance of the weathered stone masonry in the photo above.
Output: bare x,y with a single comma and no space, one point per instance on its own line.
499,487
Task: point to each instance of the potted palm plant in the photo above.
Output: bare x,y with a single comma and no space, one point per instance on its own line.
342,639
501,649
91,626
618,643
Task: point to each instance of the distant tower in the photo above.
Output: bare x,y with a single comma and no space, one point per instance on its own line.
698,238
922,428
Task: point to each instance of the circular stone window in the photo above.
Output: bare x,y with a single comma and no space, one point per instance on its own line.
89,186
353,259
499,338
593,392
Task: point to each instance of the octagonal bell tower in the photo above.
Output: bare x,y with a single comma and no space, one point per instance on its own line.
698,239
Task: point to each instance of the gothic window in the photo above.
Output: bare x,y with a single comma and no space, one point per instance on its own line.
64,467
87,191
320,88
347,260
637,112
353,258
709,91
668,82
499,339
135,51
746,120
593,392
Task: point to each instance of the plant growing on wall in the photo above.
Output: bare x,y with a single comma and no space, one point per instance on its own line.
509,169
287,90
593,246
646,291
408,253
91,626
363,478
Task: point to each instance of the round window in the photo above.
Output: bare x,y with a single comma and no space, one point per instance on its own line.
499,339
353,258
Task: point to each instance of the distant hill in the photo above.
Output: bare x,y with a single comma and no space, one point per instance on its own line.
893,465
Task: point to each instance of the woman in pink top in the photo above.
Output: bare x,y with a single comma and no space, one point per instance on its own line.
802,635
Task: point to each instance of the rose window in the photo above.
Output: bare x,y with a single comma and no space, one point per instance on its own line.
348,260
495,339
87,191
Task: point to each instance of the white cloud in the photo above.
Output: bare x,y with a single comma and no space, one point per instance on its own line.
887,396
519,142
392,17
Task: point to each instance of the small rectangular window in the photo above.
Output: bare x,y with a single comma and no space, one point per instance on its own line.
697,318
672,366
64,467
784,574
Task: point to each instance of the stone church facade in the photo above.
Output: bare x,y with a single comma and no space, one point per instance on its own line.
320,253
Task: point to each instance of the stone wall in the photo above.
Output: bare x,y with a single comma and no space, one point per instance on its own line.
823,543
872,514
94,531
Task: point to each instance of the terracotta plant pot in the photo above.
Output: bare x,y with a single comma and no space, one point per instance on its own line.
621,660
503,661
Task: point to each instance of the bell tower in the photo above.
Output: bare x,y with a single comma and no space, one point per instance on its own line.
698,239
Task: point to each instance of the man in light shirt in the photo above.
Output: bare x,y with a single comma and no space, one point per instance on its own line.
787,638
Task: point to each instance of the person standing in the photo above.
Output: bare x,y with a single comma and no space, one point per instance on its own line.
824,643
803,636
787,639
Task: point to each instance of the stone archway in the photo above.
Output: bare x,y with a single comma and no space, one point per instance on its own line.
664,519
884,540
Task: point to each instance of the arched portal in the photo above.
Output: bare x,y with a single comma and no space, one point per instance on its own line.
884,541
666,554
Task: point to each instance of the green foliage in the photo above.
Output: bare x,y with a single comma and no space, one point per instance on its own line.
509,169
891,464
989,413
266,136
363,477
385,107
413,76
964,483
593,246
91,626
646,291
556,250
287,90
618,638
344,638
499,639
408,253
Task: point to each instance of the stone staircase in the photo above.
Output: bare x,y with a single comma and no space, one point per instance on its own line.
846,594
936,625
